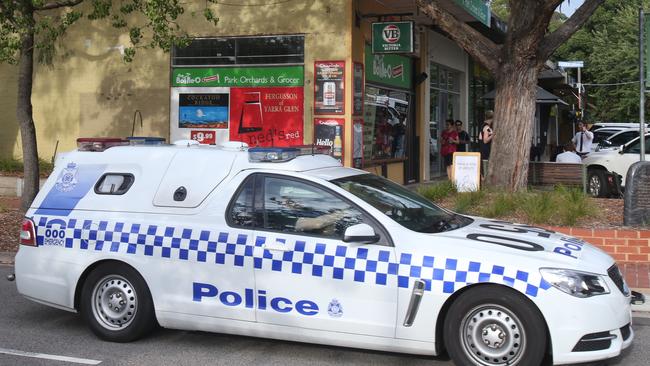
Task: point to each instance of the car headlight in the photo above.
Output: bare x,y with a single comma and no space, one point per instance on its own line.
575,283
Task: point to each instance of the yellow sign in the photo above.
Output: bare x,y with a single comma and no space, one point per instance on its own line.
466,171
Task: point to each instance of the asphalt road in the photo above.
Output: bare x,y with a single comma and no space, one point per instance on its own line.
30,327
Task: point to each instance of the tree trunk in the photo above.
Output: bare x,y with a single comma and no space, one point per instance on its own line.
513,123
25,116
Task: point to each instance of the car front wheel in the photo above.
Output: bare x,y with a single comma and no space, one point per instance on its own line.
116,303
597,183
493,326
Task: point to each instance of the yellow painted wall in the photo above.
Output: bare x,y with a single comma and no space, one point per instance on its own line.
90,91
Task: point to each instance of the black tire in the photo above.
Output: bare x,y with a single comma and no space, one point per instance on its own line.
117,285
597,183
510,329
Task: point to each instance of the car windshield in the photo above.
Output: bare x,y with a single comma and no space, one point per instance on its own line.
402,205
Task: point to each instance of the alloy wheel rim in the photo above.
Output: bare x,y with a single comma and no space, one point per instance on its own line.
114,302
594,186
492,335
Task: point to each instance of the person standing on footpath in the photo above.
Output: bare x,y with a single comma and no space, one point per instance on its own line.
463,137
583,140
449,142
485,138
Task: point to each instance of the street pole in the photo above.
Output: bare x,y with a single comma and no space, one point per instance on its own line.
580,103
641,83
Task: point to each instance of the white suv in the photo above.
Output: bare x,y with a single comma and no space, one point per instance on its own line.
605,167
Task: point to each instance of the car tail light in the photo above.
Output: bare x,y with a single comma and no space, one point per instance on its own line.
28,233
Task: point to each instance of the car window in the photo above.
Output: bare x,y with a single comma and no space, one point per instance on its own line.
635,148
242,210
405,207
622,138
295,207
602,135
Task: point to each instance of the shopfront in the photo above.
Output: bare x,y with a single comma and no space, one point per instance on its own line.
389,118
248,89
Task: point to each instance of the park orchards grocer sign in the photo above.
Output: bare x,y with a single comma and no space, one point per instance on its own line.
389,70
392,37
261,106
479,9
238,76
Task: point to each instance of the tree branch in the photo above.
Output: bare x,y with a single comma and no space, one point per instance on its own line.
59,4
478,46
552,41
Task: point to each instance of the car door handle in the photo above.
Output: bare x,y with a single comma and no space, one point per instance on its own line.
280,247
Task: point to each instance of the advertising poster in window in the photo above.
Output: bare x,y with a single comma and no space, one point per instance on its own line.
357,90
329,87
357,143
267,116
204,136
203,110
329,132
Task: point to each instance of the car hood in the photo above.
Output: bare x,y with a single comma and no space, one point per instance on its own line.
599,155
544,247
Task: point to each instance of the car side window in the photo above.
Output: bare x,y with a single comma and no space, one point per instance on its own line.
295,207
242,209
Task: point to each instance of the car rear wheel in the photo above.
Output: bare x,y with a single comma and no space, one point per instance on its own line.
597,183
116,303
493,326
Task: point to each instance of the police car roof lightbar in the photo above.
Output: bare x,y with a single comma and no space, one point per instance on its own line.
272,154
99,144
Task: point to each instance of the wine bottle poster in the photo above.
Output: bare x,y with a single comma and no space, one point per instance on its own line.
329,132
267,116
329,87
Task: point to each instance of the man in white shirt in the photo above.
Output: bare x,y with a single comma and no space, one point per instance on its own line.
569,155
583,140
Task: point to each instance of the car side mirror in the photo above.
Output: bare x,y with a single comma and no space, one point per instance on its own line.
621,150
360,233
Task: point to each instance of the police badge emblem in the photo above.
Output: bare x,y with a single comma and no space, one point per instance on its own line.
334,309
67,179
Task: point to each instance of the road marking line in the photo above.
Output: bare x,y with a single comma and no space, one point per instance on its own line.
46,356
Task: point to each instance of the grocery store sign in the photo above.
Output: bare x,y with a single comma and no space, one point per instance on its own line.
238,76
392,37
393,70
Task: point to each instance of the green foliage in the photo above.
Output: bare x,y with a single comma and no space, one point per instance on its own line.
158,27
468,201
500,205
561,206
608,43
574,205
13,166
437,191
538,207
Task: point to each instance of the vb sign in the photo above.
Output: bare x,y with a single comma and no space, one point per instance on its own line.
392,37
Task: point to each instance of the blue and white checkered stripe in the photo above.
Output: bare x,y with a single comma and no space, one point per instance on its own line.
309,257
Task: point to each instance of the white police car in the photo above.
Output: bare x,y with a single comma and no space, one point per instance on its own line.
265,243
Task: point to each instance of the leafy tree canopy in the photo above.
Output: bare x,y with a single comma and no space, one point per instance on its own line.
608,43
158,28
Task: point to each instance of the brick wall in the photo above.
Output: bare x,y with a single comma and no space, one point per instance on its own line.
622,245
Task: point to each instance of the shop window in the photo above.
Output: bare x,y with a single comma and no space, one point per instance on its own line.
261,50
386,116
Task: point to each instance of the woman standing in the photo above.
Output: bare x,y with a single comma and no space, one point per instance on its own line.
486,136
449,143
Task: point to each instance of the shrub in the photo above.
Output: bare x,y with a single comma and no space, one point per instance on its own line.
573,204
500,205
12,165
437,191
467,201
538,207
